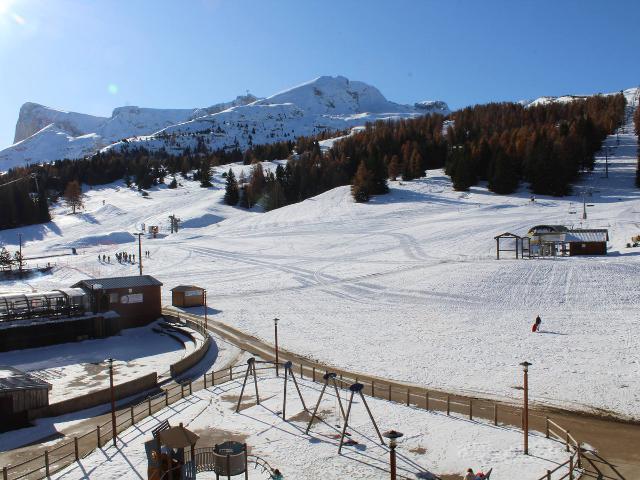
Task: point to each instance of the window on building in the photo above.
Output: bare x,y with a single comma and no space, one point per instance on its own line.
113,298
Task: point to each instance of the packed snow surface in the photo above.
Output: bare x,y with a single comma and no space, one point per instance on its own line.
406,286
77,368
432,444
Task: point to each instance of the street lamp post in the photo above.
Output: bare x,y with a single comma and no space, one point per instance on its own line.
206,323
139,251
275,326
393,436
525,413
113,402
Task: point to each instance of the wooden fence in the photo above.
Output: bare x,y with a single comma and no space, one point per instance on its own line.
59,457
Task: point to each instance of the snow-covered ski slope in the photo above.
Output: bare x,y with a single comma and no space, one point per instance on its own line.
406,286
44,134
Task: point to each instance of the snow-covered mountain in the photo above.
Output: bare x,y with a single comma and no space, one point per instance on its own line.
326,103
45,134
630,94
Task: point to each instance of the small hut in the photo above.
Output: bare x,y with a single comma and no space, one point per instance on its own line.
188,296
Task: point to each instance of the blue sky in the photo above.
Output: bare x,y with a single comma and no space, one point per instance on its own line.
94,55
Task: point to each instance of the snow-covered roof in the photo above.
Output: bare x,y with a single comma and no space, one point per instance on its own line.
185,288
586,236
119,282
12,379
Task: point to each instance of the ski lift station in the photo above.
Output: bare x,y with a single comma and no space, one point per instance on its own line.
553,240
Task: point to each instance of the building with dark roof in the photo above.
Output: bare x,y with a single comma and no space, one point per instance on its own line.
136,299
187,296
19,393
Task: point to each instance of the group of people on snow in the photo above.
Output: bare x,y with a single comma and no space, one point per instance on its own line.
122,257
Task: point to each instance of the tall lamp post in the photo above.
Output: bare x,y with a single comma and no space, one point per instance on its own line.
275,326
525,413
206,323
113,402
139,251
393,436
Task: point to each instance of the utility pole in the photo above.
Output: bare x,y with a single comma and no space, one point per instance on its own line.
206,323
113,402
275,325
20,253
525,411
139,250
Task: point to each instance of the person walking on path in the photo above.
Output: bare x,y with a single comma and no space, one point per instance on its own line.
536,326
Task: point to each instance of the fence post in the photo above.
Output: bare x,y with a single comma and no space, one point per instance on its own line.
230,373
579,455
213,379
495,414
448,404
373,387
426,399
546,428
149,405
567,440
46,462
5,473
548,474
181,391
190,387
75,448
166,398
313,373
470,409
98,431
408,396
571,467
132,415
205,380
389,392
301,371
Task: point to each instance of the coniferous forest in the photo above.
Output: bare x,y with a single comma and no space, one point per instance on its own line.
504,144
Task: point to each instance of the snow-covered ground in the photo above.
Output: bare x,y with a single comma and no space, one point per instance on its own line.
433,443
406,286
77,368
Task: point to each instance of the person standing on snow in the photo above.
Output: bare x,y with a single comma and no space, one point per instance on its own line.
470,475
536,326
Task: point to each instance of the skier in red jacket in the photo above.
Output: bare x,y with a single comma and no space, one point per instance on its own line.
536,326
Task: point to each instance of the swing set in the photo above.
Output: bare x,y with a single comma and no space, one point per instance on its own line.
329,380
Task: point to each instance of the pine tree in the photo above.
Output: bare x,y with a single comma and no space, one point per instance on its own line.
362,184
73,195
5,259
394,167
205,174
231,194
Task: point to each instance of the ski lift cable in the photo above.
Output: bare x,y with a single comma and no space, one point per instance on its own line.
32,175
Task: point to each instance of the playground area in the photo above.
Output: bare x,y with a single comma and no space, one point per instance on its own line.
249,411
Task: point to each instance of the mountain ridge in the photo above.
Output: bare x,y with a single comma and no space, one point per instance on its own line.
325,103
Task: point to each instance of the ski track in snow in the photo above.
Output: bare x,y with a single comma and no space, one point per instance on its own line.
405,287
